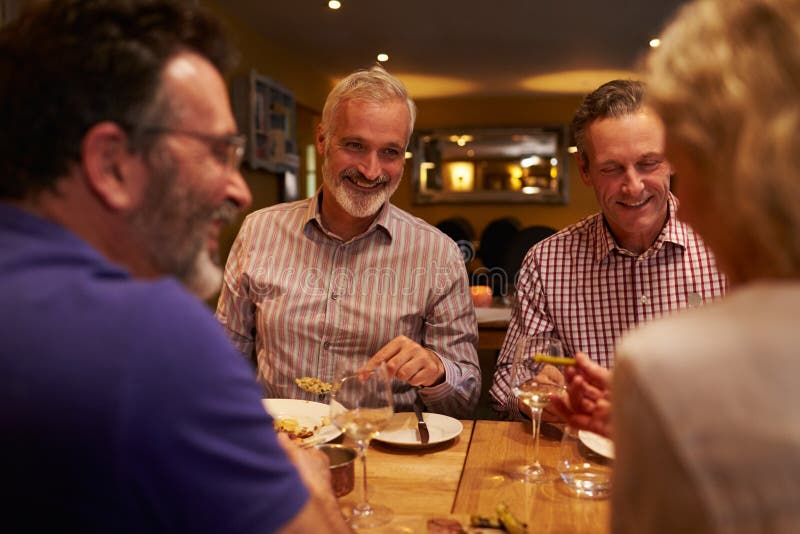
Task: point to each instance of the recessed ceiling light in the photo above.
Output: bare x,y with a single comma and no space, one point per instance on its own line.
334,4
655,43
383,57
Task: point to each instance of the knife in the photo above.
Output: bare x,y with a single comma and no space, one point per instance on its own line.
422,426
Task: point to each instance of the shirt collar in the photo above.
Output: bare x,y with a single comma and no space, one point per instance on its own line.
384,222
53,239
673,232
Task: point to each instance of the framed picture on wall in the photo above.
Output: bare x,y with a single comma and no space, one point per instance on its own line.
266,113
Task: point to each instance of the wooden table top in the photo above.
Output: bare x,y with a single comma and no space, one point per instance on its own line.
471,475
413,481
496,449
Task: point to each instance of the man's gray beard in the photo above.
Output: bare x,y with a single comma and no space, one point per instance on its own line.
167,224
204,277
357,204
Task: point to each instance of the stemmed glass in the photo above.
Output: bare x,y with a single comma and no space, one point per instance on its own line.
361,406
533,392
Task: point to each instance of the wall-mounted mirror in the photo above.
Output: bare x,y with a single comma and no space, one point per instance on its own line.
490,165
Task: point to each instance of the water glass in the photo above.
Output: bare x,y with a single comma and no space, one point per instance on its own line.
585,463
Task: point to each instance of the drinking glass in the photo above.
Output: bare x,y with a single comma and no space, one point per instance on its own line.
533,392
585,464
361,406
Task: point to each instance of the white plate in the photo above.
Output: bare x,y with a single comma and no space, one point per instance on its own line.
308,414
599,444
402,429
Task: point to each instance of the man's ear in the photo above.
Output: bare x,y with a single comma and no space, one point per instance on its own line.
108,166
320,140
583,168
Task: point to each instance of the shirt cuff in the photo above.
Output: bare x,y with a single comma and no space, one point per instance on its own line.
441,391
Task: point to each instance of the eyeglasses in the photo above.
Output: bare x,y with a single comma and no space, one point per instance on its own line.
228,149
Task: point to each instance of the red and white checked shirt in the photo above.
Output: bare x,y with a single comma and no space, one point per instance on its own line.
581,286
297,300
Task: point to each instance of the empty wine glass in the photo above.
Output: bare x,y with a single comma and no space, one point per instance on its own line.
361,406
534,392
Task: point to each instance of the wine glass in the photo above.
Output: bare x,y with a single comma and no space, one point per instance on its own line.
534,392
361,406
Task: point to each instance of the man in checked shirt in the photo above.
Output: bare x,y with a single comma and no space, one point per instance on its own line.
615,270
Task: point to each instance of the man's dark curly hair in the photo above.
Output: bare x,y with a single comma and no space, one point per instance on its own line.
66,65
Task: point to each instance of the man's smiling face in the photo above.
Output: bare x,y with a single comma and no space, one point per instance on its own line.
365,154
626,166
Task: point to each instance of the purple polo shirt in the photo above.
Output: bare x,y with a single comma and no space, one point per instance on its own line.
123,406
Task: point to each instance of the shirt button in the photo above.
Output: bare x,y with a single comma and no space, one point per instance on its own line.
326,345
644,299
334,296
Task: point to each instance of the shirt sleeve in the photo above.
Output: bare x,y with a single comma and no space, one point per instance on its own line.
530,317
235,309
452,333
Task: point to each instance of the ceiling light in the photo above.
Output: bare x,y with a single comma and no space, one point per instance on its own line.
334,4
383,57
655,43
573,149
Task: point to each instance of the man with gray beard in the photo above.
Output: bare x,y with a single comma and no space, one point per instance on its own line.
346,275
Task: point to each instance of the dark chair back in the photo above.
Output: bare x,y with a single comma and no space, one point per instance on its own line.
461,231
519,245
495,239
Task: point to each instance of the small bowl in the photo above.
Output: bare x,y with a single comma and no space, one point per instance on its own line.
342,461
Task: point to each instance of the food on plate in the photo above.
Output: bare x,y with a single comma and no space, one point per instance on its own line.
313,385
291,427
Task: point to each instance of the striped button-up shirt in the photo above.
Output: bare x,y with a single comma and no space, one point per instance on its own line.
297,300
580,286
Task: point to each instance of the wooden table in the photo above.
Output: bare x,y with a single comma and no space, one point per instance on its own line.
471,475
413,481
496,448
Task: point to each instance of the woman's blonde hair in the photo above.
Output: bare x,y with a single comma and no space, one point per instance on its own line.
726,82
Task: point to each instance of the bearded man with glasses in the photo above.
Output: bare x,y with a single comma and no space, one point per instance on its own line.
125,407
